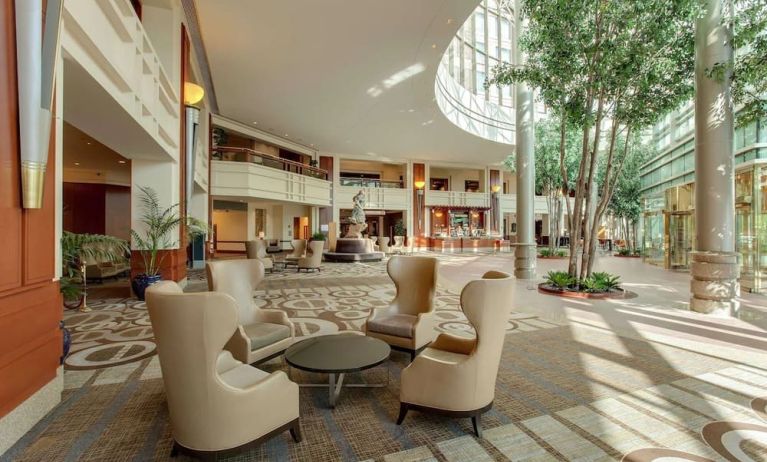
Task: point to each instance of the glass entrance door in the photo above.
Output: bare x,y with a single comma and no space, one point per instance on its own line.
680,239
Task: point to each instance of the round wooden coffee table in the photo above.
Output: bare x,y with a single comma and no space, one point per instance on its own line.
337,355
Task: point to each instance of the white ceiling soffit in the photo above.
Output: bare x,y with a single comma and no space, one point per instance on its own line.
349,77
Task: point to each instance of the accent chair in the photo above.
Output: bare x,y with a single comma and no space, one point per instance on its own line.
456,375
408,323
383,245
299,251
313,258
399,244
256,250
261,334
217,405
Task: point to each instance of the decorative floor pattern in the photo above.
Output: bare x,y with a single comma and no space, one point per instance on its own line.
565,391
339,298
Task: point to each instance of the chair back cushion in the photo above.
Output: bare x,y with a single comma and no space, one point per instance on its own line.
383,244
237,278
299,248
487,304
416,282
190,331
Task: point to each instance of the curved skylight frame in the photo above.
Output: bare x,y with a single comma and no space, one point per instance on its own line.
459,92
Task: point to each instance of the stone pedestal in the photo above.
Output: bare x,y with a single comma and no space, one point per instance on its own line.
524,260
714,286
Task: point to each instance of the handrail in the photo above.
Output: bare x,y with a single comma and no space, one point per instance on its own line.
284,164
371,183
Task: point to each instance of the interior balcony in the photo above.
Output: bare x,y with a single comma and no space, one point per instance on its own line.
247,173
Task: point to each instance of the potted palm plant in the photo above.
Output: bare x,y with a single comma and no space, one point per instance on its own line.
76,251
155,235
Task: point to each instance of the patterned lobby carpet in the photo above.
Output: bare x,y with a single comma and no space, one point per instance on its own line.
564,391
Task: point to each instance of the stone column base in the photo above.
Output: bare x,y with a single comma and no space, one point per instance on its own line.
524,260
714,286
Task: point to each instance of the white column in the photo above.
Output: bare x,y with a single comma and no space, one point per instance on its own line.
715,268
524,262
163,178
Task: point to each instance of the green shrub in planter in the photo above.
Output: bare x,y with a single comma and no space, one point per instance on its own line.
318,236
559,279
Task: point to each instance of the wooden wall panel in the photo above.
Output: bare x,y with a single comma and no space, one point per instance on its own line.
84,208
10,188
30,303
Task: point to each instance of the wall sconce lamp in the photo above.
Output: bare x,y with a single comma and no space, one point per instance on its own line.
438,214
37,52
495,188
193,94
419,185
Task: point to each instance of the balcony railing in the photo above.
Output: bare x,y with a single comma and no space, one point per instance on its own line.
233,154
371,183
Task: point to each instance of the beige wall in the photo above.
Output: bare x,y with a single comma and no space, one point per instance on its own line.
457,177
388,172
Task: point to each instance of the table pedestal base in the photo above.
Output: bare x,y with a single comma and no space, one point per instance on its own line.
336,383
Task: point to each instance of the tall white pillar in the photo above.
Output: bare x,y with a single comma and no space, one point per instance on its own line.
525,255
715,265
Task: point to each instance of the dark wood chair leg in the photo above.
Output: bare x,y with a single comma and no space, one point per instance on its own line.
403,408
174,450
476,421
413,354
295,431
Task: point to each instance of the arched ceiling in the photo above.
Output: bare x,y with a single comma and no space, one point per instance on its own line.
346,76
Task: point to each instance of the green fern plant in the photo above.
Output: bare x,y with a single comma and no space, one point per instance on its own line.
158,224
559,279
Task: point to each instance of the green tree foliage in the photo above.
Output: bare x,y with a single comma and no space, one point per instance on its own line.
548,175
609,68
625,203
749,73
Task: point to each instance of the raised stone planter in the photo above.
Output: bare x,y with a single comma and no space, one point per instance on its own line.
548,289
626,256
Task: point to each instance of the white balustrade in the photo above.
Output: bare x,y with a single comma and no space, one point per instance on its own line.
375,198
246,179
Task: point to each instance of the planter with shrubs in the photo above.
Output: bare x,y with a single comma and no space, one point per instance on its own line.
599,285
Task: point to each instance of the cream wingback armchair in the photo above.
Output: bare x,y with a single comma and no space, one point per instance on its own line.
256,250
217,404
299,251
261,334
313,258
408,323
455,375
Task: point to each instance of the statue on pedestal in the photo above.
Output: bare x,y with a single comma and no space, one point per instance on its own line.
357,219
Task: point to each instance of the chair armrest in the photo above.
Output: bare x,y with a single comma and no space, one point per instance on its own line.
239,345
424,329
454,344
374,313
275,317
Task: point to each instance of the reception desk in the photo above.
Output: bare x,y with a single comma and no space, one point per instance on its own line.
466,244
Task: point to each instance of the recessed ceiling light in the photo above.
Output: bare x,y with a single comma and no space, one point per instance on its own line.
286,135
255,123
120,161
88,143
77,163
411,110
449,20
434,45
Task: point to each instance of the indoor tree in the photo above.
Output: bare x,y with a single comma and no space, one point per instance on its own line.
749,72
625,204
548,177
611,68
